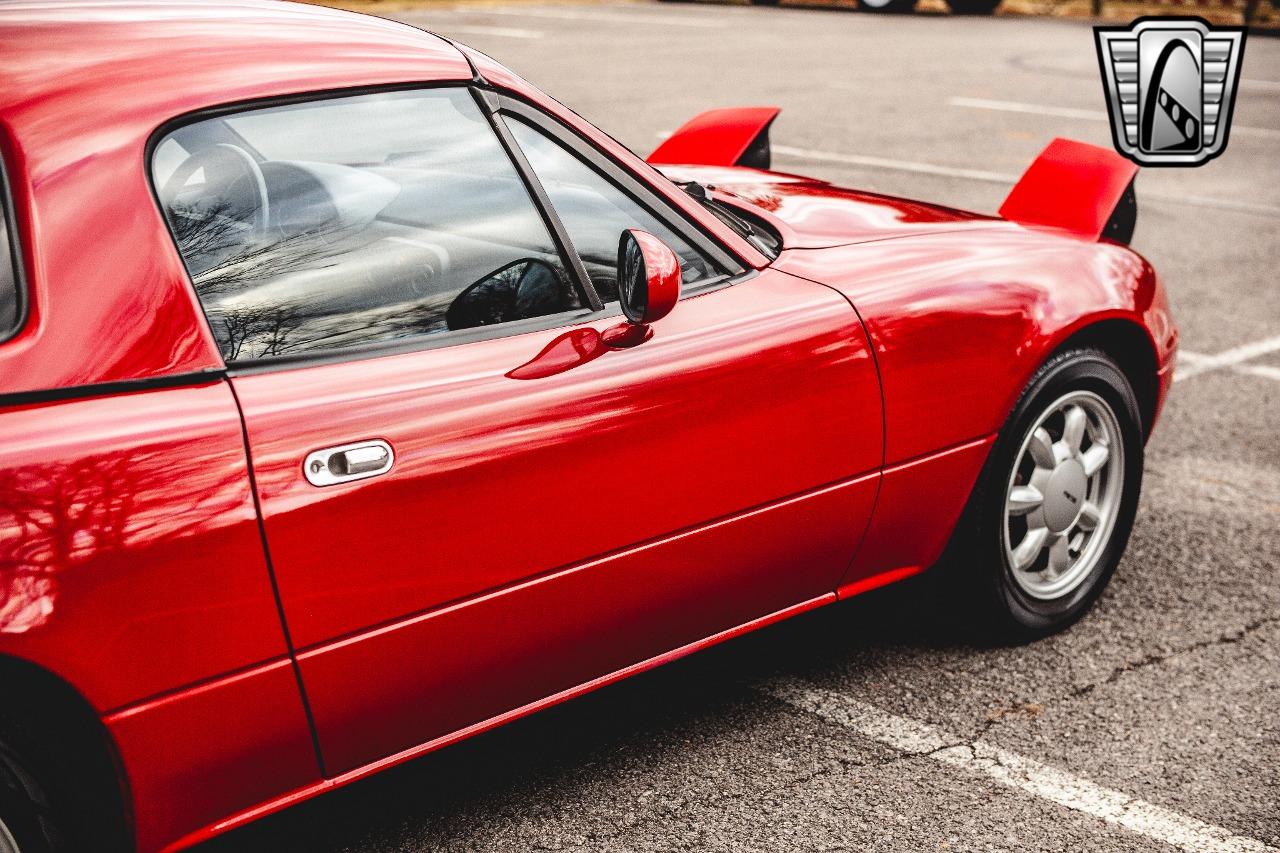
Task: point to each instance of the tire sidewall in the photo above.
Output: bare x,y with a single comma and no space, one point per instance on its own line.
23,807
1080,370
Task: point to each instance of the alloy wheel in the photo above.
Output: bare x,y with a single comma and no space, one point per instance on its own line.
1063,495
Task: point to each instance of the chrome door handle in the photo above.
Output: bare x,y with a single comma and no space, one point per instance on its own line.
348,462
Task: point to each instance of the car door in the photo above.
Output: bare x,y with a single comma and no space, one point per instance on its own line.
455,538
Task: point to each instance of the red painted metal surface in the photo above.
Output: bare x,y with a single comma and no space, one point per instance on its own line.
196,757
960,321
716,137
743,396
916,510
813,214
1071,187
306,792
564,352
128,540
485,656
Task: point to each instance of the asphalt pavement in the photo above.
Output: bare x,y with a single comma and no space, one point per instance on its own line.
876,725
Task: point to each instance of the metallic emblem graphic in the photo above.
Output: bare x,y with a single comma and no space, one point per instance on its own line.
1170,85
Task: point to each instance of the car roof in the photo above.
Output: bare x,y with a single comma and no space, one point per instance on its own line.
87,83
180,55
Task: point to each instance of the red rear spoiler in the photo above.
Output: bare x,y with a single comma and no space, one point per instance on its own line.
1078,188
737,136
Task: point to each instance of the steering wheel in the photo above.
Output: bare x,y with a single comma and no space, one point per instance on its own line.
230,176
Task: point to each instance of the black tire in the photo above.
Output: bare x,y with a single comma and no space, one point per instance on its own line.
976,570
973,7
52,798
25,814
888,7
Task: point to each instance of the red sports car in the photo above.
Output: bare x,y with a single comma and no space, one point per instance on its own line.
356,397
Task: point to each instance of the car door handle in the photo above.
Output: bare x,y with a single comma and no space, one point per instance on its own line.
346,462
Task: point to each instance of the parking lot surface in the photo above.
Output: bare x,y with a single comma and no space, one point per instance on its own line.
879,725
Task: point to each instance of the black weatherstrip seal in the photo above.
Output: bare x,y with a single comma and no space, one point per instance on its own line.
105,389
488,106
9,221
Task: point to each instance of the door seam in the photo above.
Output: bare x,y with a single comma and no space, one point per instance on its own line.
275,586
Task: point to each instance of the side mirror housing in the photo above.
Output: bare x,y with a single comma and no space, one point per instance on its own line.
648,286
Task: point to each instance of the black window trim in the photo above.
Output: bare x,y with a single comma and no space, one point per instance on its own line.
731,266
8,212
537,193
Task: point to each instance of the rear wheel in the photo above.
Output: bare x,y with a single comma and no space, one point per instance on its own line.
1051,515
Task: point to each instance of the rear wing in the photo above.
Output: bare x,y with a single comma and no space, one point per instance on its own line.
1082,189
737,136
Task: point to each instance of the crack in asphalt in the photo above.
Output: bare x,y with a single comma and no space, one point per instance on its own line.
1235,635
915,739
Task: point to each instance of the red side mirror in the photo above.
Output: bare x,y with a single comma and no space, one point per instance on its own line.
648,286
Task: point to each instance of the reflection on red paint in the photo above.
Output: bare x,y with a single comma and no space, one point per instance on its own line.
563,353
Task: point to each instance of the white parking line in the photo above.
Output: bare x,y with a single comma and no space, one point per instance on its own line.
1009,179
570,14
1087,115
1264,85
505,32
1234,358
1013,771
1033,109
1263,370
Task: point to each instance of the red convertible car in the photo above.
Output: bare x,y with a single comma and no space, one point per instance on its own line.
357,397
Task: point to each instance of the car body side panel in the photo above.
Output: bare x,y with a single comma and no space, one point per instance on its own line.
131,562
916,511
960,321
504,474
430,598
461,665
198,756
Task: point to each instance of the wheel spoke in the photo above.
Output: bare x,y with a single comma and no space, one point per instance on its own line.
1090,515
1024,499
1094,458
1059,555
1041,448
1075,421
1027,551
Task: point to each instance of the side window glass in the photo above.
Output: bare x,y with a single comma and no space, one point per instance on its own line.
595,212
355,220
10,305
